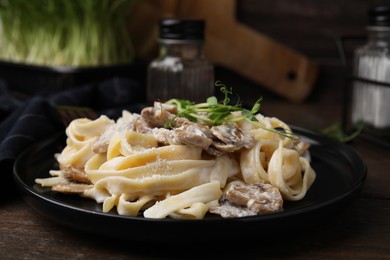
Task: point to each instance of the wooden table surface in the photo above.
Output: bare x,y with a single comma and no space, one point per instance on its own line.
360,231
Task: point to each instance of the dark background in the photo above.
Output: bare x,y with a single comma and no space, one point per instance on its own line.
311,27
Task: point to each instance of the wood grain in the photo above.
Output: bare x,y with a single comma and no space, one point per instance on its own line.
232,45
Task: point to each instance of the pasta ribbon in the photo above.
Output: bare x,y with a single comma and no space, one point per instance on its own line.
272,123
131,208
203,193
129,142
84,129
81,133
160,168
196,211
155,184
254,162
76,156
177,152
290,173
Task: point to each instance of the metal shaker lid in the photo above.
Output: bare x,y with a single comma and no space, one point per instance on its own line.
177,29
379,16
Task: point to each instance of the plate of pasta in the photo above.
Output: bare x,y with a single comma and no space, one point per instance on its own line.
183,169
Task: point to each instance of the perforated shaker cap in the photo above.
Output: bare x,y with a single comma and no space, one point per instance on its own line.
177,29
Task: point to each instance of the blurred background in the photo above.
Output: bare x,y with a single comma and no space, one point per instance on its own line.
307,32
310,28
282,50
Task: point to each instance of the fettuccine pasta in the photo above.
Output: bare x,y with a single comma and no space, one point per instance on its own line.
137,165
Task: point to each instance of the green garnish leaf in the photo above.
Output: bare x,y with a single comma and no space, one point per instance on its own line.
212,101
256,107
214,112
336,131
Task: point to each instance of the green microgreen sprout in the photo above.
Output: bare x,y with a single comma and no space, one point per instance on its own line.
214,113
66,32
336,131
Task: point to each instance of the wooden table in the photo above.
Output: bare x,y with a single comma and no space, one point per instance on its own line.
361,230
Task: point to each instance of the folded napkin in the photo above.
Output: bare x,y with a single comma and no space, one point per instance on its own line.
23,122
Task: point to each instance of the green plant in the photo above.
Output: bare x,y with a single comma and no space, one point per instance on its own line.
65,32
336,131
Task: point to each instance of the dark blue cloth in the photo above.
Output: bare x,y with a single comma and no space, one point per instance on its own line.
23,122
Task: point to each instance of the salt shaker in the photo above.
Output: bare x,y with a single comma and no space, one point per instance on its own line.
181,70
370,94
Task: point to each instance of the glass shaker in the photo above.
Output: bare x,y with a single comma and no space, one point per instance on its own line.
181,70
371,69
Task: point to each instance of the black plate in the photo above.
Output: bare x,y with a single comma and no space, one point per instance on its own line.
340,176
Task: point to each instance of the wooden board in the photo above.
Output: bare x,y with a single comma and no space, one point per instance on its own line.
229,44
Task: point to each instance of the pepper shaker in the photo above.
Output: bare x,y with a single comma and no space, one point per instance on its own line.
371,69
181,70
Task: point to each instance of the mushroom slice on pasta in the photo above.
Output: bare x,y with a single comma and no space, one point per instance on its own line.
241,199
